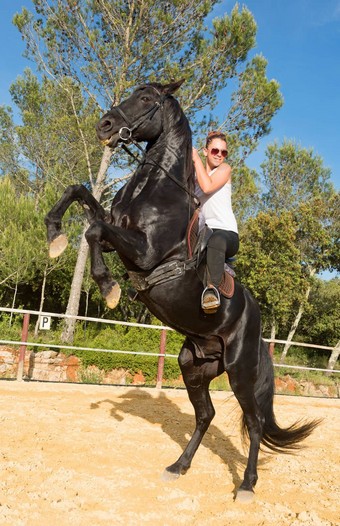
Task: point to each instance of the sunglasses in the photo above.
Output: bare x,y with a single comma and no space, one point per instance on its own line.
216,151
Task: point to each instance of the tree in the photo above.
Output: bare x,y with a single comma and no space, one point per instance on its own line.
268,264
53,134
18,248
107,46
23,259
47,144
296,180
320,323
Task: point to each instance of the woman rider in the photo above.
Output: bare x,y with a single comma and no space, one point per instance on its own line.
213,189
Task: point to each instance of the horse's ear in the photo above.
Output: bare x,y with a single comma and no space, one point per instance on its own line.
169,89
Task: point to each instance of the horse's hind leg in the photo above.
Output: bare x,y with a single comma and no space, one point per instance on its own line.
242,383
93,211
197,375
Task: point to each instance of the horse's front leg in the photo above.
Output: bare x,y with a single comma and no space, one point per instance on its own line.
197,375
93,211
126,242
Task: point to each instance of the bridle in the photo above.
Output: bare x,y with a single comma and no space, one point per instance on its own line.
125,134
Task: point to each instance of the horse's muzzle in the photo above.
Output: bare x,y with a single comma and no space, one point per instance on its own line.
110,141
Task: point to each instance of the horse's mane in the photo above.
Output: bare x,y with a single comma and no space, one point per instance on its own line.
180,128
178,124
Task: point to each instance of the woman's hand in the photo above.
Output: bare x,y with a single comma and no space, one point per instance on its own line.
195,155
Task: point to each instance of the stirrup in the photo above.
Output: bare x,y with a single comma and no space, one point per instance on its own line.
210,299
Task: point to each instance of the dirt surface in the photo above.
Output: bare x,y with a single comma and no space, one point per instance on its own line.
94,455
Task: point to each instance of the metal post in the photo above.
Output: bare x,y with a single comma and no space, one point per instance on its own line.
271,349
24,335
161,360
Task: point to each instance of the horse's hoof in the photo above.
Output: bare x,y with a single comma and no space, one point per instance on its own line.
58,245
244,496
169,475
112,298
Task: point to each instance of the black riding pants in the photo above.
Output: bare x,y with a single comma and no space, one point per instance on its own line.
222,245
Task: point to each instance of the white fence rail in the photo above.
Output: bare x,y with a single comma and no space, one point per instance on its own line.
161,355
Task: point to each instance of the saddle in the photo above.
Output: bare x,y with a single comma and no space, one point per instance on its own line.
197,244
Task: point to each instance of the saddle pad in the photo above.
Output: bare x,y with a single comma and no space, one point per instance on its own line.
192,233
227,285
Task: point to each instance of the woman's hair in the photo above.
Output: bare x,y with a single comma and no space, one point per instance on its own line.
215,135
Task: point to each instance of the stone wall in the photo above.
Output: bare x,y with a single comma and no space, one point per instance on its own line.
45,365
53,366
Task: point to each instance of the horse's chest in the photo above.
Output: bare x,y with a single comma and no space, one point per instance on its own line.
131,207
126,216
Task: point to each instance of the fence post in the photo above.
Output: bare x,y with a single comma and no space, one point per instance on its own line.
271,349
24,335
161,360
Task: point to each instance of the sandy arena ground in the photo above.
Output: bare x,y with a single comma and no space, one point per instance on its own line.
94,455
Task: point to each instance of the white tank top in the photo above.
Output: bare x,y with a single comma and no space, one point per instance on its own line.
216,208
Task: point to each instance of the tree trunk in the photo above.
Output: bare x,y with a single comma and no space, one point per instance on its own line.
13,302
42,299
75,292
273,326
334,356
72,309
272,335
297,320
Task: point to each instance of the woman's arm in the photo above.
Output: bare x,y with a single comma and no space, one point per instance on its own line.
219,178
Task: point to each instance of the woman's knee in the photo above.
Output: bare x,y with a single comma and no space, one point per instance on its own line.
218,240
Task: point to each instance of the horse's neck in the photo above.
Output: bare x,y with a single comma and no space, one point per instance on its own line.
174,155
166,202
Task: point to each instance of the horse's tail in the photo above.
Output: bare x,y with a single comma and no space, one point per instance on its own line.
274,437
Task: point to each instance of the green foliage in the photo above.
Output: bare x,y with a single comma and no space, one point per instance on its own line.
294,235
23,249
46,146
268,264
90,375
131,363
10,329
129,339
221,383
18,247
254,103
320,323
296,180
293,174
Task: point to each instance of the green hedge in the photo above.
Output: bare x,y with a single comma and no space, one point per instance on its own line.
131,339
132,363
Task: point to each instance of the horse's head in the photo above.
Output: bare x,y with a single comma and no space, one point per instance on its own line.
138,117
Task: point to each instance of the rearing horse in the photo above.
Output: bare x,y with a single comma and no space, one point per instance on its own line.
147,226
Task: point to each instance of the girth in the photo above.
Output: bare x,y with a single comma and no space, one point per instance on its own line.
144,280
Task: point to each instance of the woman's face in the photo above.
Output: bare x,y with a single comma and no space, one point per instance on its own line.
216,152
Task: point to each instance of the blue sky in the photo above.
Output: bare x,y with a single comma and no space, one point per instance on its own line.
301,41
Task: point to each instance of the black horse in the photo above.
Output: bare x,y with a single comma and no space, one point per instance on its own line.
148,227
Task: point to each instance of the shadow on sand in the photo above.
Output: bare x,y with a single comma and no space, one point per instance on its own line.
177,424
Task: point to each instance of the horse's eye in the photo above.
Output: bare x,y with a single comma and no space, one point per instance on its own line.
145,99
